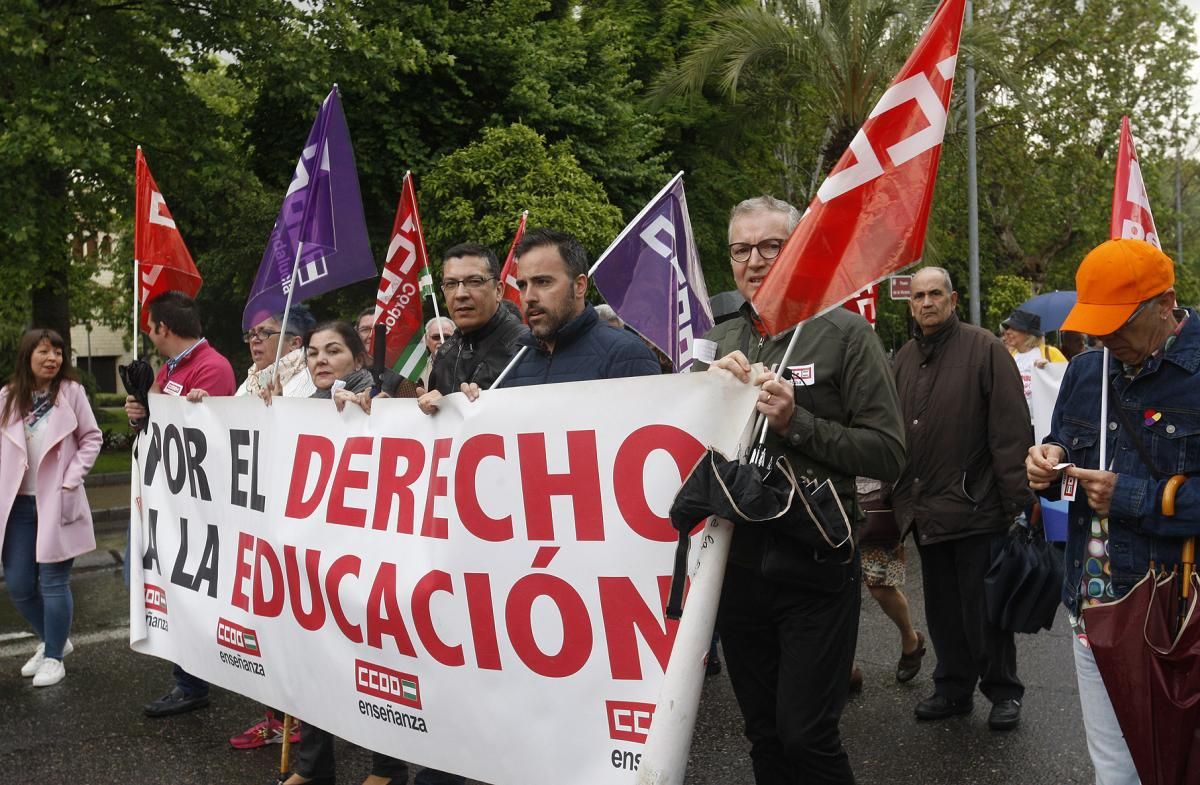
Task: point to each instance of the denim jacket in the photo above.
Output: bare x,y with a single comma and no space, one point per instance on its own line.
1139,534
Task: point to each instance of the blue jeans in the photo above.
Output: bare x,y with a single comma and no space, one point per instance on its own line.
41,592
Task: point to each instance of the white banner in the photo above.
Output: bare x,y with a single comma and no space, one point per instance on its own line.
480,591
1043,392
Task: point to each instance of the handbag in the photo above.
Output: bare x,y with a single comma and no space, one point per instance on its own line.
880,529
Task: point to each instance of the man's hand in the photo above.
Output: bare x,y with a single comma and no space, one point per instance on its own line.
1098,485
471,390
134,410
1040,463
196,395
777,401
428,402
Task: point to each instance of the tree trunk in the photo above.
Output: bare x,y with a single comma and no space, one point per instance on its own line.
50,299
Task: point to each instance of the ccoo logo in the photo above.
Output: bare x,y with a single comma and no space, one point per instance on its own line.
388,684
156,599
628,720
236,637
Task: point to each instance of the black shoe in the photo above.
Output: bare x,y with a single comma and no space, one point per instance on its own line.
910,664
939,707
175,702
713,666
1005,715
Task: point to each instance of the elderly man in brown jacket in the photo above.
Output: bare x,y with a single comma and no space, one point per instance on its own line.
964,483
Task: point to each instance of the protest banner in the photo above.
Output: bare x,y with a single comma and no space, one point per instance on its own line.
480,591
1043,384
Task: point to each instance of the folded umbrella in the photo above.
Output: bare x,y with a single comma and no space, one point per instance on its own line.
138,378
1023,587
807,512
1152,676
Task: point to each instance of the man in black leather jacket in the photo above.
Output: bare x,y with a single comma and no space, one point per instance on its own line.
487,335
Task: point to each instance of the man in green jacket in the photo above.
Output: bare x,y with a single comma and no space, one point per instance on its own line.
788,616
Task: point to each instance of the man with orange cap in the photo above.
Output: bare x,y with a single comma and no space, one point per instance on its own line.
1126,297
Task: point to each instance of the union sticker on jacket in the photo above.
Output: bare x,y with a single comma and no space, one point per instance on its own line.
803,375
173,388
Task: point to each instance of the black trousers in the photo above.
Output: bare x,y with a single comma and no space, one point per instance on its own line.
315,757
969,648
789,650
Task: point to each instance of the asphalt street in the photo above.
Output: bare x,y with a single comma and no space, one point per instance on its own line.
89,730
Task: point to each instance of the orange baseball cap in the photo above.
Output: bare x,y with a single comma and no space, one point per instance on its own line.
1113,280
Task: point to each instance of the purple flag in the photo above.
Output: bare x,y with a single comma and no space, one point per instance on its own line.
651,276
323,210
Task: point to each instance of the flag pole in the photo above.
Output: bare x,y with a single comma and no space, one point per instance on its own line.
511,364
428,266
287,306
136,308
972,188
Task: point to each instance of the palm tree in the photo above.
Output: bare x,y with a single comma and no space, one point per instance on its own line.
829,59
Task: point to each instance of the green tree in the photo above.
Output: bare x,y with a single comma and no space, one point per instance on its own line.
486,185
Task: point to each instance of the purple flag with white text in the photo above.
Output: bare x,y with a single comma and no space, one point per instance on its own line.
651,277
322,217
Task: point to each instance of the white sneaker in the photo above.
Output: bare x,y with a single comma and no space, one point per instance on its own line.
50,672
32,665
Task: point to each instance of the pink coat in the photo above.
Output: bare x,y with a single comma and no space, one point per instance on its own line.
72,443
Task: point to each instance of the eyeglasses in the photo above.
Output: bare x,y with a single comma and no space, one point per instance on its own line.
767,250
1133,316
261,334
450,285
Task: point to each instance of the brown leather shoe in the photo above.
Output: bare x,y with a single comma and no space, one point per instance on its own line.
910,664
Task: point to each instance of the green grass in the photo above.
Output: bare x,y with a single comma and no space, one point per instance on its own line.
112,462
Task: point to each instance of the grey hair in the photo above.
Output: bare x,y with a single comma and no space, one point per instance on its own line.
607,314
437,319
945,276
765,204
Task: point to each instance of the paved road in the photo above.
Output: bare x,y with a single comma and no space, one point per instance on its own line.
89,730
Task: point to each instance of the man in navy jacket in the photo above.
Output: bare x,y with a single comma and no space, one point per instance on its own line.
567,341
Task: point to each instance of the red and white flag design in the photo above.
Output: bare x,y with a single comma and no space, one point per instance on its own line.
1131,217
402,285
508,275
869,216
161,261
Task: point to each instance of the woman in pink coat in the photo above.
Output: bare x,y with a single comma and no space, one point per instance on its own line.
49,442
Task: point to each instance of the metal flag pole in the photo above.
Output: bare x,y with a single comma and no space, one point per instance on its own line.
511,364
1104,412
972,188
287,306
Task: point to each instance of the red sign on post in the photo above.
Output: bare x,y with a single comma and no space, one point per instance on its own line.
901,287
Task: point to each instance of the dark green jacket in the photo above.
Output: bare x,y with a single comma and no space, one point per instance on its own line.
847,420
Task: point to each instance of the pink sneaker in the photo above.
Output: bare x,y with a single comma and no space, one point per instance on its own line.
264,732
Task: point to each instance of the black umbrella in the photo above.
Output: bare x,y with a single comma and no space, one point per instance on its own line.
138,378
1023,587
807,512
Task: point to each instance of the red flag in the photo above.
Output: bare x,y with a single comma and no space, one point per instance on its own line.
161,260
863,303
1131,218
869,217
508,274
404,282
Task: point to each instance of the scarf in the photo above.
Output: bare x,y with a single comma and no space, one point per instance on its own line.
290,365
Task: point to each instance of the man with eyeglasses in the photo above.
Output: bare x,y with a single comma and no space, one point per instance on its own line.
194,369
967,430
1118,530
788,615
485,338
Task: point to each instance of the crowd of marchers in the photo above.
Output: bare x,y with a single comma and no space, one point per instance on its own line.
940,435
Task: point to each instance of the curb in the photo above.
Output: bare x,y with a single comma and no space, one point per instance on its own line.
114,478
